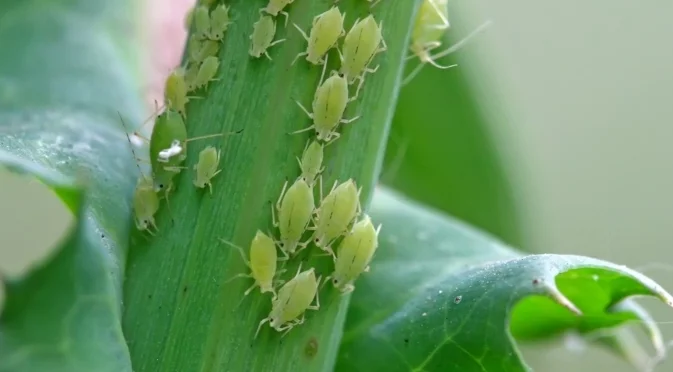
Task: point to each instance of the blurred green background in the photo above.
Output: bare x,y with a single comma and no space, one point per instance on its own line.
554,133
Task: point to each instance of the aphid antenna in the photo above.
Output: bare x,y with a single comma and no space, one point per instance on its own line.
463,41
135,156
157,109
238,248
455,47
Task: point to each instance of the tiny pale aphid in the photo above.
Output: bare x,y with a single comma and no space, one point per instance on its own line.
276,7
295,209
335,214
262,263
361,44
429,28
201,19
145,205
326,30
354,254
311,162
190,76
263,32
207,72
219,22
168,128
294,298
329,104
207,167
145,199
199,50
175,91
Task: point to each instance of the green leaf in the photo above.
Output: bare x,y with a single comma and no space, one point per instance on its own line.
60,90
442,150
440,295
192,318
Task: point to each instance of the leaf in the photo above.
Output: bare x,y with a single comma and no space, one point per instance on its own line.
181,312
439,296
60,90
442,150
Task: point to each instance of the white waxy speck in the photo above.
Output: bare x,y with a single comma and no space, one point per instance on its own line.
440,291
135,140
424,314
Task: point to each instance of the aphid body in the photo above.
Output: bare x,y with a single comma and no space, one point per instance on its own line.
295,209
168,128
335,214
276,7
263,32
207,72
354,254
175,91
219,22
327,28
429,28
431,23
207,167
294,298
199,50
190,76
311,162
329,104
262,263
201,19
145,205
361,44
145,199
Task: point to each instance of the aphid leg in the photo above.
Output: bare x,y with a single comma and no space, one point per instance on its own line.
366,270
317,298
259,327
297,57
310,115
290,326
266,52
247,291
239,249
241,275
280,200
348,121
445,21
374,3
413,74
287,17
348,288
383,41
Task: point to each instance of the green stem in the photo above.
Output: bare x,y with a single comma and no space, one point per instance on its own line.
180,315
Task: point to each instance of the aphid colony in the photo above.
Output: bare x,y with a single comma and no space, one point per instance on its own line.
336,219
335,223
168,143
